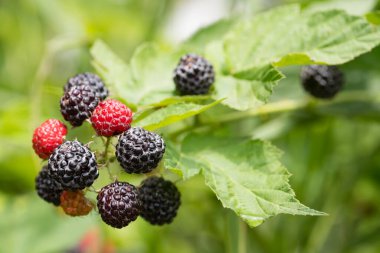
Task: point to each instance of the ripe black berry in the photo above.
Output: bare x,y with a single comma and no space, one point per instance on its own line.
78,103
160,200
73,166
91,80
139,151
118,204
322,81
193,75
47,188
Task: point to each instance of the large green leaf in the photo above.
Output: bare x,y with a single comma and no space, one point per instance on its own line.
275,37
248,58
171,114
246,176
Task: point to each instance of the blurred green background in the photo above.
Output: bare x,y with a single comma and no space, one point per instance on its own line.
333,152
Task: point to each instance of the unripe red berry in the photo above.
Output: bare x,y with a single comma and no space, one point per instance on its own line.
48,136
111,117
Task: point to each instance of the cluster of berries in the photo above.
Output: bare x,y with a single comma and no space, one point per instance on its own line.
72,167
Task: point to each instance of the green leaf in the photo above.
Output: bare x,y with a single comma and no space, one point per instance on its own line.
246,176
171,114
278,38
149,72
152,70
115,72
254,49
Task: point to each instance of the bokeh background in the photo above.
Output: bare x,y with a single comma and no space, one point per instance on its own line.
333,153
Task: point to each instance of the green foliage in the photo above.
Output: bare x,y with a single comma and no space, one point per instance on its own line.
247,177
299,38
331,147
33,227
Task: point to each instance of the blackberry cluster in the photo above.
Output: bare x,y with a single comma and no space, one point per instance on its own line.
88,79
73,166
193,75
119,204
78,103
160,200
322,81
47,188
139,151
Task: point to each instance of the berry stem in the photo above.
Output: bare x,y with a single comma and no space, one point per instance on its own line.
242,240
105,158
105,154
294,105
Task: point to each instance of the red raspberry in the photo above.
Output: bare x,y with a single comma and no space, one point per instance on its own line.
75,203
48,136
111,117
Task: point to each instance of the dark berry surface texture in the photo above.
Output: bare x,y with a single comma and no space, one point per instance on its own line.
73,165
139,151
160,200
193,75
118,204
75,203
322,81
111,117
78,103
48,136
91,80
47,188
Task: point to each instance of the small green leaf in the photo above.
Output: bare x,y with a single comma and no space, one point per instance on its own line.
246,176
171,114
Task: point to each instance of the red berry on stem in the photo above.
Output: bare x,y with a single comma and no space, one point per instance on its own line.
111,117
48,136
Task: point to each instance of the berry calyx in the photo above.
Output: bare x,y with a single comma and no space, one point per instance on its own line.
111,117
118,204
91,80
73,165
75,203
48,136
78,103
139,151
193,75
47,188
322,81
160,200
